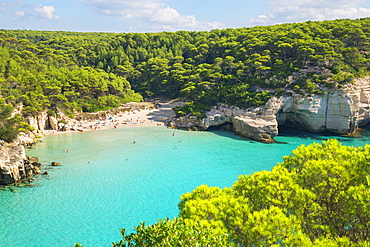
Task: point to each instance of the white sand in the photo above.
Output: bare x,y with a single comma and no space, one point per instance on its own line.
148,117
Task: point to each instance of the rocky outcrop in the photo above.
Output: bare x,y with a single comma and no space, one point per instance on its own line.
259,123
54,163
44,121
14,165
340,111
255,128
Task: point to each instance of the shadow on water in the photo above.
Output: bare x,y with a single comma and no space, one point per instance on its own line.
294,132
226,130
361,134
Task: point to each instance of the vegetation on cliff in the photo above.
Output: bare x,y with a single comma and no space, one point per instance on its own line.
318,196
11,124
243,67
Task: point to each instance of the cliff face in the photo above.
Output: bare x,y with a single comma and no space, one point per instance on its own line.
340,111
44,121
259,123
14,165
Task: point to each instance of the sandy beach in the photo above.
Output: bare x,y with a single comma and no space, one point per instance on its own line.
135,118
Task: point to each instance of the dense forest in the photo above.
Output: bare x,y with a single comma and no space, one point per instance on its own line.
243,67
318,196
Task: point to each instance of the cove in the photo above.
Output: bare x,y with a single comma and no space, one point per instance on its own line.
107,181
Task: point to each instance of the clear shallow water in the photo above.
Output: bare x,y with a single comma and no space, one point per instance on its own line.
106,182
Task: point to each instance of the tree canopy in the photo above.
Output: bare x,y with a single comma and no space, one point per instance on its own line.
229,66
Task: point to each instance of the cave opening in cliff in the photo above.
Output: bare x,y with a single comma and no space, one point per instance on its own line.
293,130
228,126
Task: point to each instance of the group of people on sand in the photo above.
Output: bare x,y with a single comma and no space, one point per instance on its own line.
138,117
114,123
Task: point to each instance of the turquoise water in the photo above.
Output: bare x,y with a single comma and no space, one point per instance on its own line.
107,182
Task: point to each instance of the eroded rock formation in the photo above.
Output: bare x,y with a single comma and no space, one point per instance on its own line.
340,111
44,121
14,165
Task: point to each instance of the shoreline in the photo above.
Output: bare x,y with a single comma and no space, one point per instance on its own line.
133,118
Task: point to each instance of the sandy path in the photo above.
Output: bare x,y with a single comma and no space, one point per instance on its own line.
147,117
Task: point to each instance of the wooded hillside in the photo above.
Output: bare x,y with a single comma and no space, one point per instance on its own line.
243,67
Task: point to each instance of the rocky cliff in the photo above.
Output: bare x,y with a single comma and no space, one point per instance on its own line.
340,111
44,121
14,165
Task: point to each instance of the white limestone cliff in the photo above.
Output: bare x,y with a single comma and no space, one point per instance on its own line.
340,111
257,123
43,121
14,165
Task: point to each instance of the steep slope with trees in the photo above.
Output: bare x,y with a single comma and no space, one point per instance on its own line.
52,72
242,67
38,79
